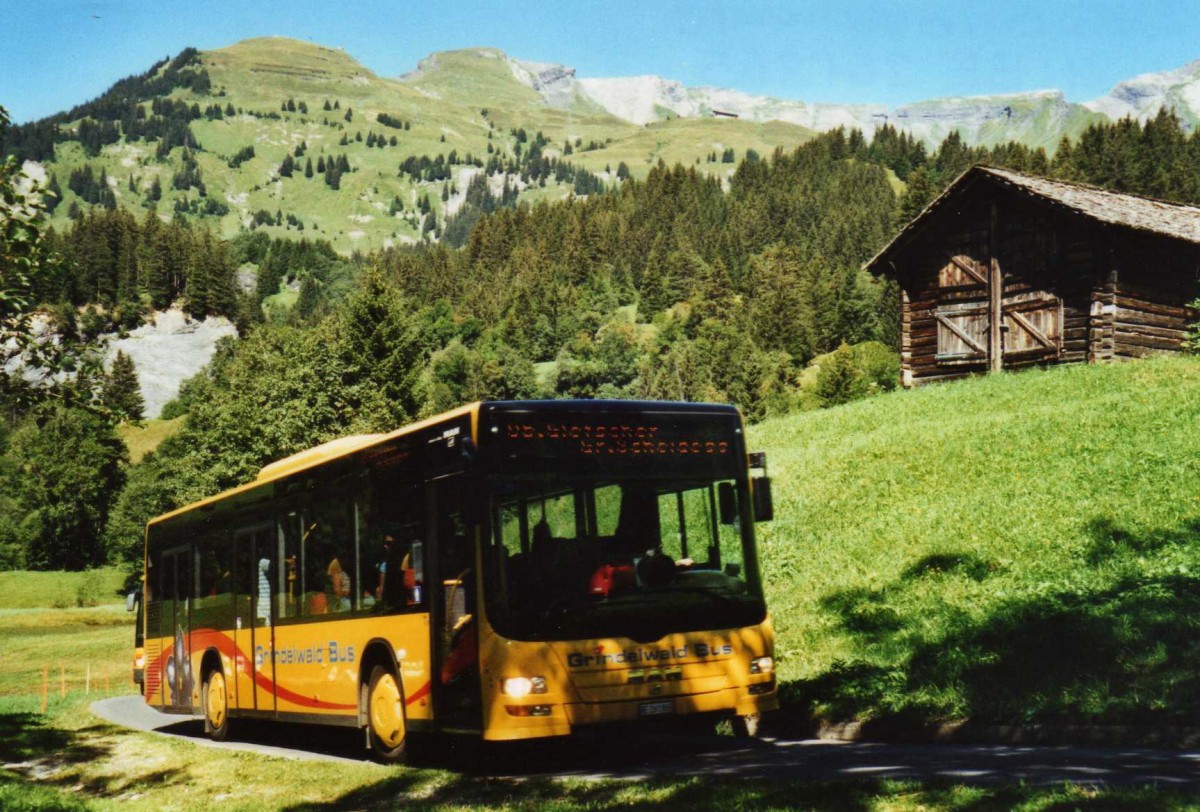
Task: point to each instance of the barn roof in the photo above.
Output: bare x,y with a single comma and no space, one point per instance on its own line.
1113,208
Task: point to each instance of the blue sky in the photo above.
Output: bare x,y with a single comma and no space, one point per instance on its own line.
56,53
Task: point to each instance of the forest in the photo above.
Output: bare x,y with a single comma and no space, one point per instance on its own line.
678,286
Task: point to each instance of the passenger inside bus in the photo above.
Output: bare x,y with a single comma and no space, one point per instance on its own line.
338,581
388,543
263,610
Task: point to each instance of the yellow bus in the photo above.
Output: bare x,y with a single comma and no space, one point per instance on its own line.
508,569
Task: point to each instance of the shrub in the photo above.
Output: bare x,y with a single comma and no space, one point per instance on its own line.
90,589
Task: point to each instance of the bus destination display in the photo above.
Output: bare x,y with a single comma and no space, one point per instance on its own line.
575,443
612,438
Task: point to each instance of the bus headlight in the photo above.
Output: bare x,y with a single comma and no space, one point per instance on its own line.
518,687
762,665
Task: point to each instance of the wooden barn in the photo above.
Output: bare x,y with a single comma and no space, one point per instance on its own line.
1005,270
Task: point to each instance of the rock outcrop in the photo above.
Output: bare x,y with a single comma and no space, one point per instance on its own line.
168,351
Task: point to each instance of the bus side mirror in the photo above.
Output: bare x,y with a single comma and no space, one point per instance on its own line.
131,601
764,509
727,502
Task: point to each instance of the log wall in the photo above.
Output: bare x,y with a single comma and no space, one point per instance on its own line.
1156,282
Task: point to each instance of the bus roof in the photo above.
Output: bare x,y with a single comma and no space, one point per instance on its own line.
317,455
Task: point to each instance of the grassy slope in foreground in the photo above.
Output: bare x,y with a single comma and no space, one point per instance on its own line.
1015,548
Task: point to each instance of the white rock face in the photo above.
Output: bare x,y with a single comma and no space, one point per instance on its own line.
980,119
768,108
555,82
1143,96
984,119
641,99
169,351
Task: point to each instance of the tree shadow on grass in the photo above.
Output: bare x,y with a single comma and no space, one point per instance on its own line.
408,791
25,736
34,751
1126,651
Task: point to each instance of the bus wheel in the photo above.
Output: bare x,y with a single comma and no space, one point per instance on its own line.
747,727
216,706
385,716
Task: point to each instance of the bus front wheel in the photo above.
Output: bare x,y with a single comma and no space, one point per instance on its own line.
216,706
385,715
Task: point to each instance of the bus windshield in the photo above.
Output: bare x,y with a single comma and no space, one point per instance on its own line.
634,543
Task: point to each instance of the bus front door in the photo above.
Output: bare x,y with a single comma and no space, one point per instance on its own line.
456,694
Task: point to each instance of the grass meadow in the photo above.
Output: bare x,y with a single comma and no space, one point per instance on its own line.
1024,547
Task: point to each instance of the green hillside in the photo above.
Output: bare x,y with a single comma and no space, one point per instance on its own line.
1016,548
270,95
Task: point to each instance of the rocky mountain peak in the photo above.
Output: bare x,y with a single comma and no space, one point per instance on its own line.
556,83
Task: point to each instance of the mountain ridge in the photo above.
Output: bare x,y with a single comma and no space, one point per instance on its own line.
646,98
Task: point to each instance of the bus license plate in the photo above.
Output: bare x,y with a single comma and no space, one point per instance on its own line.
656,708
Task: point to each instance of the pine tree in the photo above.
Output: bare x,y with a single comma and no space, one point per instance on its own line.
306,303
121,393
920,192
308,168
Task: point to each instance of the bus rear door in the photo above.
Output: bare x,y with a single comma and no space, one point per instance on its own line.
176,591
253,619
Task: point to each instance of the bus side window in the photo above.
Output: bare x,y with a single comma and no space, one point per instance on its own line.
291,530
329,554
214,599
392,537
266,574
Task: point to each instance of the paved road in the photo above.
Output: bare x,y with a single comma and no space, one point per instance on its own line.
629,753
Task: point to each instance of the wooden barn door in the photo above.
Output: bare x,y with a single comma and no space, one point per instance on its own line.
963,296
981,318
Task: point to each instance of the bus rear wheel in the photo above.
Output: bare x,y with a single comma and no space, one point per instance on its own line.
216,706
385,716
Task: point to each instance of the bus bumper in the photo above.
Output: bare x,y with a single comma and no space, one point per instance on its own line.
735,699
561,718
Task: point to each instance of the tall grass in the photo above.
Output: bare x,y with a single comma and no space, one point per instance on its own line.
1022,546
31,590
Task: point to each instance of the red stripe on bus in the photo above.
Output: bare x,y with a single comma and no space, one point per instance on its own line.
226,646
420,693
